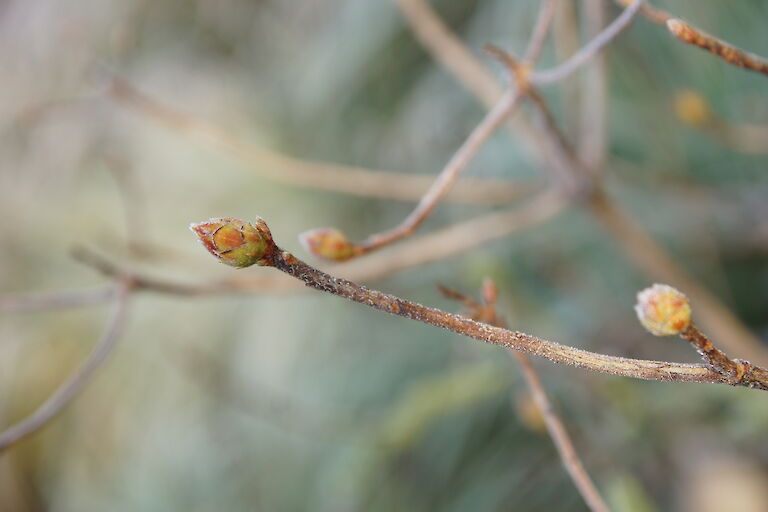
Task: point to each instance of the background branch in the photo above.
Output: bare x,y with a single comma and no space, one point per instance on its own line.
75,384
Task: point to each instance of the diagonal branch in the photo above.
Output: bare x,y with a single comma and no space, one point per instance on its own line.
540,30
75,384
33,302
590,49
340,248
301,173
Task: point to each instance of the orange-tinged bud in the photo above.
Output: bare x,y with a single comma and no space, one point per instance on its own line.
663,310
692,108
236,243
328,243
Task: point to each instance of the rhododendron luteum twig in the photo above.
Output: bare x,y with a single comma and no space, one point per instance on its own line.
266,253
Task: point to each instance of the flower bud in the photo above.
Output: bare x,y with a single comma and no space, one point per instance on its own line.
234,242
328,243
663,310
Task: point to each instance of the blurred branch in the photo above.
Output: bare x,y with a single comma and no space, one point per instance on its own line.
344,249
593,104
272,255
590,49
687,33
29,303
486,312
452,53
547,10
301,173
691,34
75,384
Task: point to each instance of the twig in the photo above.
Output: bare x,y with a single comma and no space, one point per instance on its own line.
691,34
29,303
487,312
592,131
687,33
272,255
72,387
540,30
301,173
440,187
589,50
451,52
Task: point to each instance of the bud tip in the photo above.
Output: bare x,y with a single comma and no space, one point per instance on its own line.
663,310
235,242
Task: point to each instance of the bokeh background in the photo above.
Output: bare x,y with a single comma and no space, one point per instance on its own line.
301,401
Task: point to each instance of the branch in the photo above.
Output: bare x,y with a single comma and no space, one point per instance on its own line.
334,245
452,53
593,105
687,33
301,173
219,237
691,34
540,30
486,312
30,303
590,49
72,386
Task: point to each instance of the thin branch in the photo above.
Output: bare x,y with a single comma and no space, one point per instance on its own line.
452,53
487,312
440,187
592,131
590,49
30,303
301,173
72,386
687,33
547,10
691,34
272,255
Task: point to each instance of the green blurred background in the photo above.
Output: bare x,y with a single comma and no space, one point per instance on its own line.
302,401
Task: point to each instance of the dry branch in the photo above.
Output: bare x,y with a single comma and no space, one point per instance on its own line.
79,379
302,173
269,254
